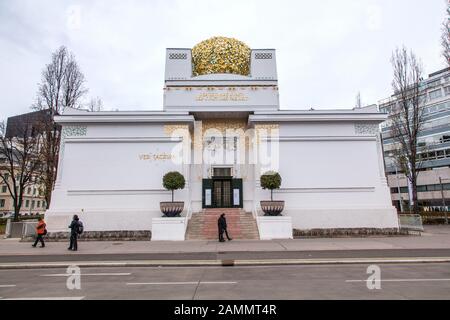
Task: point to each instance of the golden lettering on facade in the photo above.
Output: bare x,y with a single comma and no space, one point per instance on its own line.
222,96
156,156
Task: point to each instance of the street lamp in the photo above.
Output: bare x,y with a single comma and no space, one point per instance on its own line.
398,183
443,199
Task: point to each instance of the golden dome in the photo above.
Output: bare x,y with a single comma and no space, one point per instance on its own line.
221,55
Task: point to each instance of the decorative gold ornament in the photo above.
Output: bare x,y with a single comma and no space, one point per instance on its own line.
169,129
221,55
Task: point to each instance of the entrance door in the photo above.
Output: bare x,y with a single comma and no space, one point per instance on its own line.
222,193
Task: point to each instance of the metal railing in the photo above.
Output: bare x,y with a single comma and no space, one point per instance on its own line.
410,221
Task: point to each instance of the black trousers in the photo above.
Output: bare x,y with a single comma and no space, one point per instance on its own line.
40,237
73,241
221,231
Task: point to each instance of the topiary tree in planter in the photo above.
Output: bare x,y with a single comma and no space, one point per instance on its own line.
271,180
173,181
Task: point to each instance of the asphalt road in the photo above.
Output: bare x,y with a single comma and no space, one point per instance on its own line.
231,255
398,281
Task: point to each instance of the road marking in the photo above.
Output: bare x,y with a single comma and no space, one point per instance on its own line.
85,274
46,298
400,280
7,285
180,283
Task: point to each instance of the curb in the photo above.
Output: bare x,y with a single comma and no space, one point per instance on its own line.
220,263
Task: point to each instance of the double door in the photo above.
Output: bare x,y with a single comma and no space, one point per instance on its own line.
222,193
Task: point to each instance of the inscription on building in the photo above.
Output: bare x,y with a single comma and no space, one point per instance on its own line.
225,96
156,156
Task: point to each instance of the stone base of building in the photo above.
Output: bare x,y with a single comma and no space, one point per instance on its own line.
144,235
350,232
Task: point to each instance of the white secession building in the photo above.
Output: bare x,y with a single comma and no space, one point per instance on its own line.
221,126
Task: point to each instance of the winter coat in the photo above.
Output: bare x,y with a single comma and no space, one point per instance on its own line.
222,223
40,227
74,227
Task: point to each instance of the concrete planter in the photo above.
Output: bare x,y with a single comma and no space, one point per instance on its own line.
272,208
169,229
172,209
271,227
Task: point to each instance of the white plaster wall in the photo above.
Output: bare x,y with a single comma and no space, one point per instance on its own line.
102,178
332,178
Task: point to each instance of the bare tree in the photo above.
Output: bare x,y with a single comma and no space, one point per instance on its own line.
95,104
21,163
62,86
407,115
445,38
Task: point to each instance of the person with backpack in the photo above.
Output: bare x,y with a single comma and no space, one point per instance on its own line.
41,231
76,228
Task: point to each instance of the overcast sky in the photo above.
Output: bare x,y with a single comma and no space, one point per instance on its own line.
327,51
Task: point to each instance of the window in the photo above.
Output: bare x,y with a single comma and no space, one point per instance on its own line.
27,203
2,203
4,189
447,90
440,154
435,94
32,204
421,188
6,176
38,205
434,83
404,189
34,191
29,190
222,172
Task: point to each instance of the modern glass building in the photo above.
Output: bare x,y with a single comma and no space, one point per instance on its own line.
434,152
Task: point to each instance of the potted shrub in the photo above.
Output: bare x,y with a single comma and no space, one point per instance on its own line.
172,181
271,180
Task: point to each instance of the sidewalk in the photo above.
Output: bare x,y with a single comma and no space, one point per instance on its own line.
434,237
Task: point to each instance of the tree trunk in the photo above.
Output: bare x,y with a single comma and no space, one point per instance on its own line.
16,212
172,195
271,195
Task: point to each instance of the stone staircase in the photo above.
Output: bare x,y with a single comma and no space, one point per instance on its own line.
240,225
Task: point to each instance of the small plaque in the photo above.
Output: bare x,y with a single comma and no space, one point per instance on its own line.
236,200
207,197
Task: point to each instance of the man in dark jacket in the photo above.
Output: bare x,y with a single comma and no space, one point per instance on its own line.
74,230
222,225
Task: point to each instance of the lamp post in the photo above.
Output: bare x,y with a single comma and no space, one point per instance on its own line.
443,199
398,184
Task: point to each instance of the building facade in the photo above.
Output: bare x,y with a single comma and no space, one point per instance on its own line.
221,126
434,153
33,198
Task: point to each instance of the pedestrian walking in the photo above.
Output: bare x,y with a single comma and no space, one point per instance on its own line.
41,231
222,225
76,228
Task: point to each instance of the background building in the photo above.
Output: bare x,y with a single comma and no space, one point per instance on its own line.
434,177
33,198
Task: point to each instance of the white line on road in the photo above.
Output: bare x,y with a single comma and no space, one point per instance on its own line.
47,298
180,283
85,274
7,285
400,280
